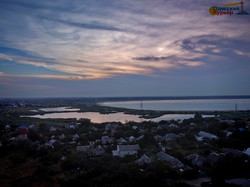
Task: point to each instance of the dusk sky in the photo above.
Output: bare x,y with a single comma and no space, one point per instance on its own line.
95,48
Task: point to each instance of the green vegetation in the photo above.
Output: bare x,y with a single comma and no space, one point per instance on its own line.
33,161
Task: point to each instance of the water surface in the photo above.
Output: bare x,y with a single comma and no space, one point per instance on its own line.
185,105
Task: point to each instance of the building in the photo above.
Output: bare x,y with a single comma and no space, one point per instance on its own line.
196,160
107,140
208,135
23,131
123,150
174,162
144,160
83,148
171,137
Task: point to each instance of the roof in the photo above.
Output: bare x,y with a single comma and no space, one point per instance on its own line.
195,159
128,147
23,127
82,148
247,151
207,135
170,159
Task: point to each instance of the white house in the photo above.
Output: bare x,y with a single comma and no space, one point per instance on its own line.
123,150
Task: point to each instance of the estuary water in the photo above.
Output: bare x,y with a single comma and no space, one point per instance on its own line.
185,105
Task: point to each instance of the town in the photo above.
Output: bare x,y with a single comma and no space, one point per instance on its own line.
192,152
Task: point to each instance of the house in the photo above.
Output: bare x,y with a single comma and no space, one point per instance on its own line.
75,137
158,138
23,131
227,133
243,182
198,138
121,141
196,160
52,129
72,125
106,140
143,160
50,143
93,128
163,126
140,137
98,151
7,127
34,127
213,158
207,135
62,136
111,126
171,137
123,150
174,162
235,153
134,127
173,126
247,151
131,139
83,148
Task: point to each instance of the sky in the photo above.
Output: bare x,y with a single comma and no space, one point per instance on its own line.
107,48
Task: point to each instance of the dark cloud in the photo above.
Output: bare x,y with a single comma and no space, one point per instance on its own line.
169,58
151,58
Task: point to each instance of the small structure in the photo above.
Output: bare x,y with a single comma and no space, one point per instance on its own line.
72,125
158,138
50,143
174,162
207,135
7,127
111,126
83,148
247,151
163,126
75,137
23,131
106,140
53,129
131,139
140,137
196,160
98,151
134,127
171,137
143,160
173,126
62,136
123,150
121,141
213,158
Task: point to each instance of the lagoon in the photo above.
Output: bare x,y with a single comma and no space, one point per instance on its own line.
96,117
185,105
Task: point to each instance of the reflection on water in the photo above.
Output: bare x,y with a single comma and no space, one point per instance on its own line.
96,117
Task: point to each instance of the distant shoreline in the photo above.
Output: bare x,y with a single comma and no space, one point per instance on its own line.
118,99
135,98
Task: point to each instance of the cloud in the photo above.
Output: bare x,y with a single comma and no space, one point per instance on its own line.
90,26
102,39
